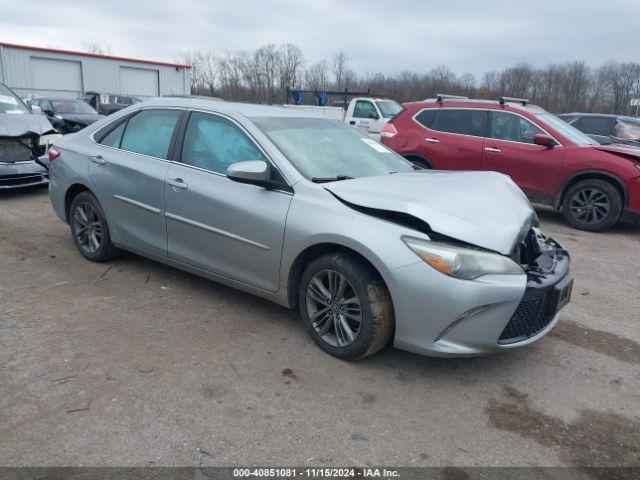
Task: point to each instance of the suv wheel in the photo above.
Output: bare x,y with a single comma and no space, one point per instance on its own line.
592,205
89,228
345,306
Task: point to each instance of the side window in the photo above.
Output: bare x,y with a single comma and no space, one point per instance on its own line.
149,132
427,117
213,143
112,139
466,122
364,109
596,125
506,126
45,105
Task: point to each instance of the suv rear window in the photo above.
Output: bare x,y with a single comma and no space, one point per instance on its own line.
427,117
466,122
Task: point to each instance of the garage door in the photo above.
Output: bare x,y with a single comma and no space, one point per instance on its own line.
139,81
48,74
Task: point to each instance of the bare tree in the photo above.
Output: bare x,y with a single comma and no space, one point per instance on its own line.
316,77
291,61
339,67
96,48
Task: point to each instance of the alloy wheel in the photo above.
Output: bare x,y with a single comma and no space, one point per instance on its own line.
589,205
87,227
334,308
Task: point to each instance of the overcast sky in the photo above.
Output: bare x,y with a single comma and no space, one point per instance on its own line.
387,36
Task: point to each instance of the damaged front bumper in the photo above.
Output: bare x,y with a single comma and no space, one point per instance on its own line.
444,316
24,161
22,174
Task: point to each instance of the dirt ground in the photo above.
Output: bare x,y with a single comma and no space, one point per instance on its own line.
133,363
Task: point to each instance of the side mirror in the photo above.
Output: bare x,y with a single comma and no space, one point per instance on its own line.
544,140
255,172
374,115
48,112
36,109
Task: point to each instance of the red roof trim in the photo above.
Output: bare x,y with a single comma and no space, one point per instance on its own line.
93,55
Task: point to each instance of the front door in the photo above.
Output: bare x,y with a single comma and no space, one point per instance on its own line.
366,117
214,223
128,176
509,149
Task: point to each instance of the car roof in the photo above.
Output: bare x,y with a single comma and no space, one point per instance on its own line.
58,99
246,109
477,103
578,114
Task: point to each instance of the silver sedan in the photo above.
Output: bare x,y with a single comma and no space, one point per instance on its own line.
312,214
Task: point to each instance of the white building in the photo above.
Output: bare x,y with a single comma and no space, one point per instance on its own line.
36,71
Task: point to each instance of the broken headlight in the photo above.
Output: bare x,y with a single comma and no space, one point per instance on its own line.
460,262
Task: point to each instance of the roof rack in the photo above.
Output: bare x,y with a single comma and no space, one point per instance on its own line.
441,96
522,101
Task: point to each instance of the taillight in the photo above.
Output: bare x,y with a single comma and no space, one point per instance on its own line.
53,153
389,131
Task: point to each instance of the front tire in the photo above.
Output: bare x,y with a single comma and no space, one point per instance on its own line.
345,306
89,228
593,205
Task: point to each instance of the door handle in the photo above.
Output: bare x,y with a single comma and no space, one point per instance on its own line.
178,183
352,122
97,159
432,140
492,149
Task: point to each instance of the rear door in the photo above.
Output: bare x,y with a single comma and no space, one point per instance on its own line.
452,139
214,223
509,149
128,174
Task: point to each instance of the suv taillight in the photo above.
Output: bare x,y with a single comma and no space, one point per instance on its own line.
53,153
389,131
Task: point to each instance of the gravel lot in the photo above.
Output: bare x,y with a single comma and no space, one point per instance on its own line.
134,363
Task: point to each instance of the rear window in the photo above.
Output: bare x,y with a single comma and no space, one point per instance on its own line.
149,132
465,122
427,117
596,125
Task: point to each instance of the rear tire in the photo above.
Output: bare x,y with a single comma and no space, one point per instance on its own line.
345,306
593,205
89,228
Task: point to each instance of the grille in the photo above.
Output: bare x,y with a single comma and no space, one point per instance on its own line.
13,150
530,318
7,181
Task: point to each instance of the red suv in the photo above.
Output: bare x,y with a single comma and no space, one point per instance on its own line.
554,163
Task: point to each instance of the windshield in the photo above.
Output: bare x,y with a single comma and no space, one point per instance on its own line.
71,106
566,130
389,108
9,103
322,148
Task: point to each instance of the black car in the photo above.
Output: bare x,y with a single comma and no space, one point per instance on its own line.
606,129
67,115
108,103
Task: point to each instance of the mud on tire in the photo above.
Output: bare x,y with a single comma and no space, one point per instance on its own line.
377,321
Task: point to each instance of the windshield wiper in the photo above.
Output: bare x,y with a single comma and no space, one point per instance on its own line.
331,179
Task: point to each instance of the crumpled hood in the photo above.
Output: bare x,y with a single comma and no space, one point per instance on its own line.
82,118
21,124
485,209
624,150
